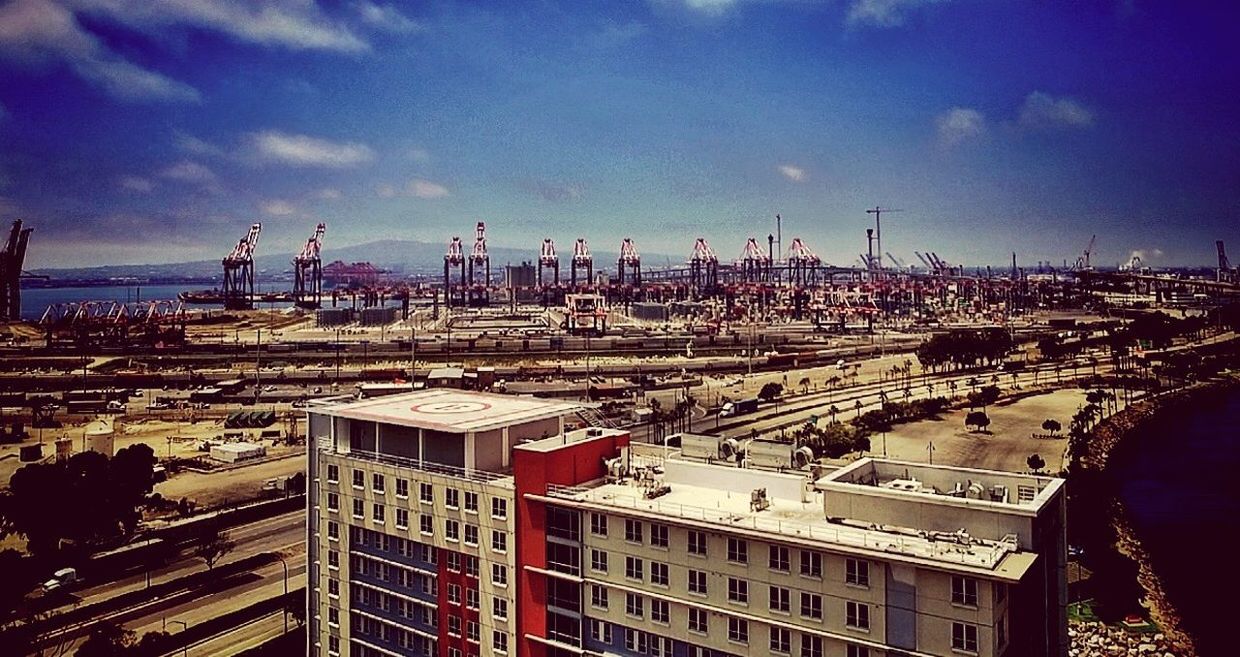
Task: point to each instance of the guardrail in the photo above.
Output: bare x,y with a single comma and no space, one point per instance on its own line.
985,555
470,474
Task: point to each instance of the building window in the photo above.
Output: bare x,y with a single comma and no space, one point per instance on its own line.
658,573
471,631
377,483
499,574
738,591
856,651
499,641
811,564
780,598
402,488
600,631
781,640
376,513
471,534
359,479
598,560
811,606
499,540
778,559
738,630
333,559
964,637
333,588
452,530
697,543
333,530
471,502
697,582
454,625
857,615
598,596
333,645
499,508
452,498
658,536
454,594
633,605
598,524
359,508
402,518
426,524
633,531
964,591
427,553
472,599
499,608
471,567
1000,592
660,611
633,568
635,641
697,620
811,645
333,502
738,551
426,494
333,474
857,572
454,562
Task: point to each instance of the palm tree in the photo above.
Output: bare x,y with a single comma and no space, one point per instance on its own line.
857,405
953,386
804,383
832,411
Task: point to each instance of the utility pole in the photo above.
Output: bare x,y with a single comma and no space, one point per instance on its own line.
779,233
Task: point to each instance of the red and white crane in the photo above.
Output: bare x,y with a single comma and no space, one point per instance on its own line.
548,259
308,271
239,271
582,259
630,259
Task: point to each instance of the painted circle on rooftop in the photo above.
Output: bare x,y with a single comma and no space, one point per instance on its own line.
444,408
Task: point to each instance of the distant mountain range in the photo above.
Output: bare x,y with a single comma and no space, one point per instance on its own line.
398,256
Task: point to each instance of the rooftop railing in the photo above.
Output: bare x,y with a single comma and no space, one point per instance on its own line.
469,474
986,554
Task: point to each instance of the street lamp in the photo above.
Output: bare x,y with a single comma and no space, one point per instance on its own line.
184,628
285,601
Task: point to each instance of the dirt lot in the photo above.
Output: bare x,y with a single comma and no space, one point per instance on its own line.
1007,444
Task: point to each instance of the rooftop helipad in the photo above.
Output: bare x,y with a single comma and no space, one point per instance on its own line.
454,411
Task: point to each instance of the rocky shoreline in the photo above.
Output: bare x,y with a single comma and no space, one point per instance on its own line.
1095,639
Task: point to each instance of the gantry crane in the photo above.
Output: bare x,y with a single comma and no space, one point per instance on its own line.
239,272
454,258
703,266
755,263
12,259
480,263
1082,263
630,259
308,272
802,263
582,260
547,259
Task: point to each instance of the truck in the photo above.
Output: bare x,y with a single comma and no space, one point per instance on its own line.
60,579
741,407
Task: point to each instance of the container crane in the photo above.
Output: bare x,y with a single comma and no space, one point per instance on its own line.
547,259
308,271
239,272
630,259
12,259
703,266
454,258
582,260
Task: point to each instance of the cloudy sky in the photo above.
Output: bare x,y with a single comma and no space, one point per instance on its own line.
137,131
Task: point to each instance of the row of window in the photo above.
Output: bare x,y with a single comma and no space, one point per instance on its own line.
368,627
426,524
779,558
426,491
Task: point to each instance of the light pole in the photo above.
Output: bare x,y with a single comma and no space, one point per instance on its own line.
337,356
285,601
184,628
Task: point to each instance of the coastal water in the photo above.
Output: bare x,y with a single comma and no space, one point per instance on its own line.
1178,480
35,300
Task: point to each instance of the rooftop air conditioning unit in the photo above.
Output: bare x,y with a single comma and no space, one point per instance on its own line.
728,449
802,457
594,432
758,500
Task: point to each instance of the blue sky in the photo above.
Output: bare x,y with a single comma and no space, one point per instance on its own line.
133,131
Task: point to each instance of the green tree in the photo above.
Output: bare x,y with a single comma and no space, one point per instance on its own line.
977,419
770,391
1035,462
211,544
1051,426
107,639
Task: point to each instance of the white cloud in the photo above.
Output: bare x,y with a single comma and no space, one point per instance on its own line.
41,31
136,184
1042,110
791,172
294,24
1144,254
713,7
426,189
959,124
277,207
304,151
189,172
329,194
386,17
883,13
195,146
385,191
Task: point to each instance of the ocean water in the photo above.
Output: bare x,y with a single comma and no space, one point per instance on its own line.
36,300
1177,479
